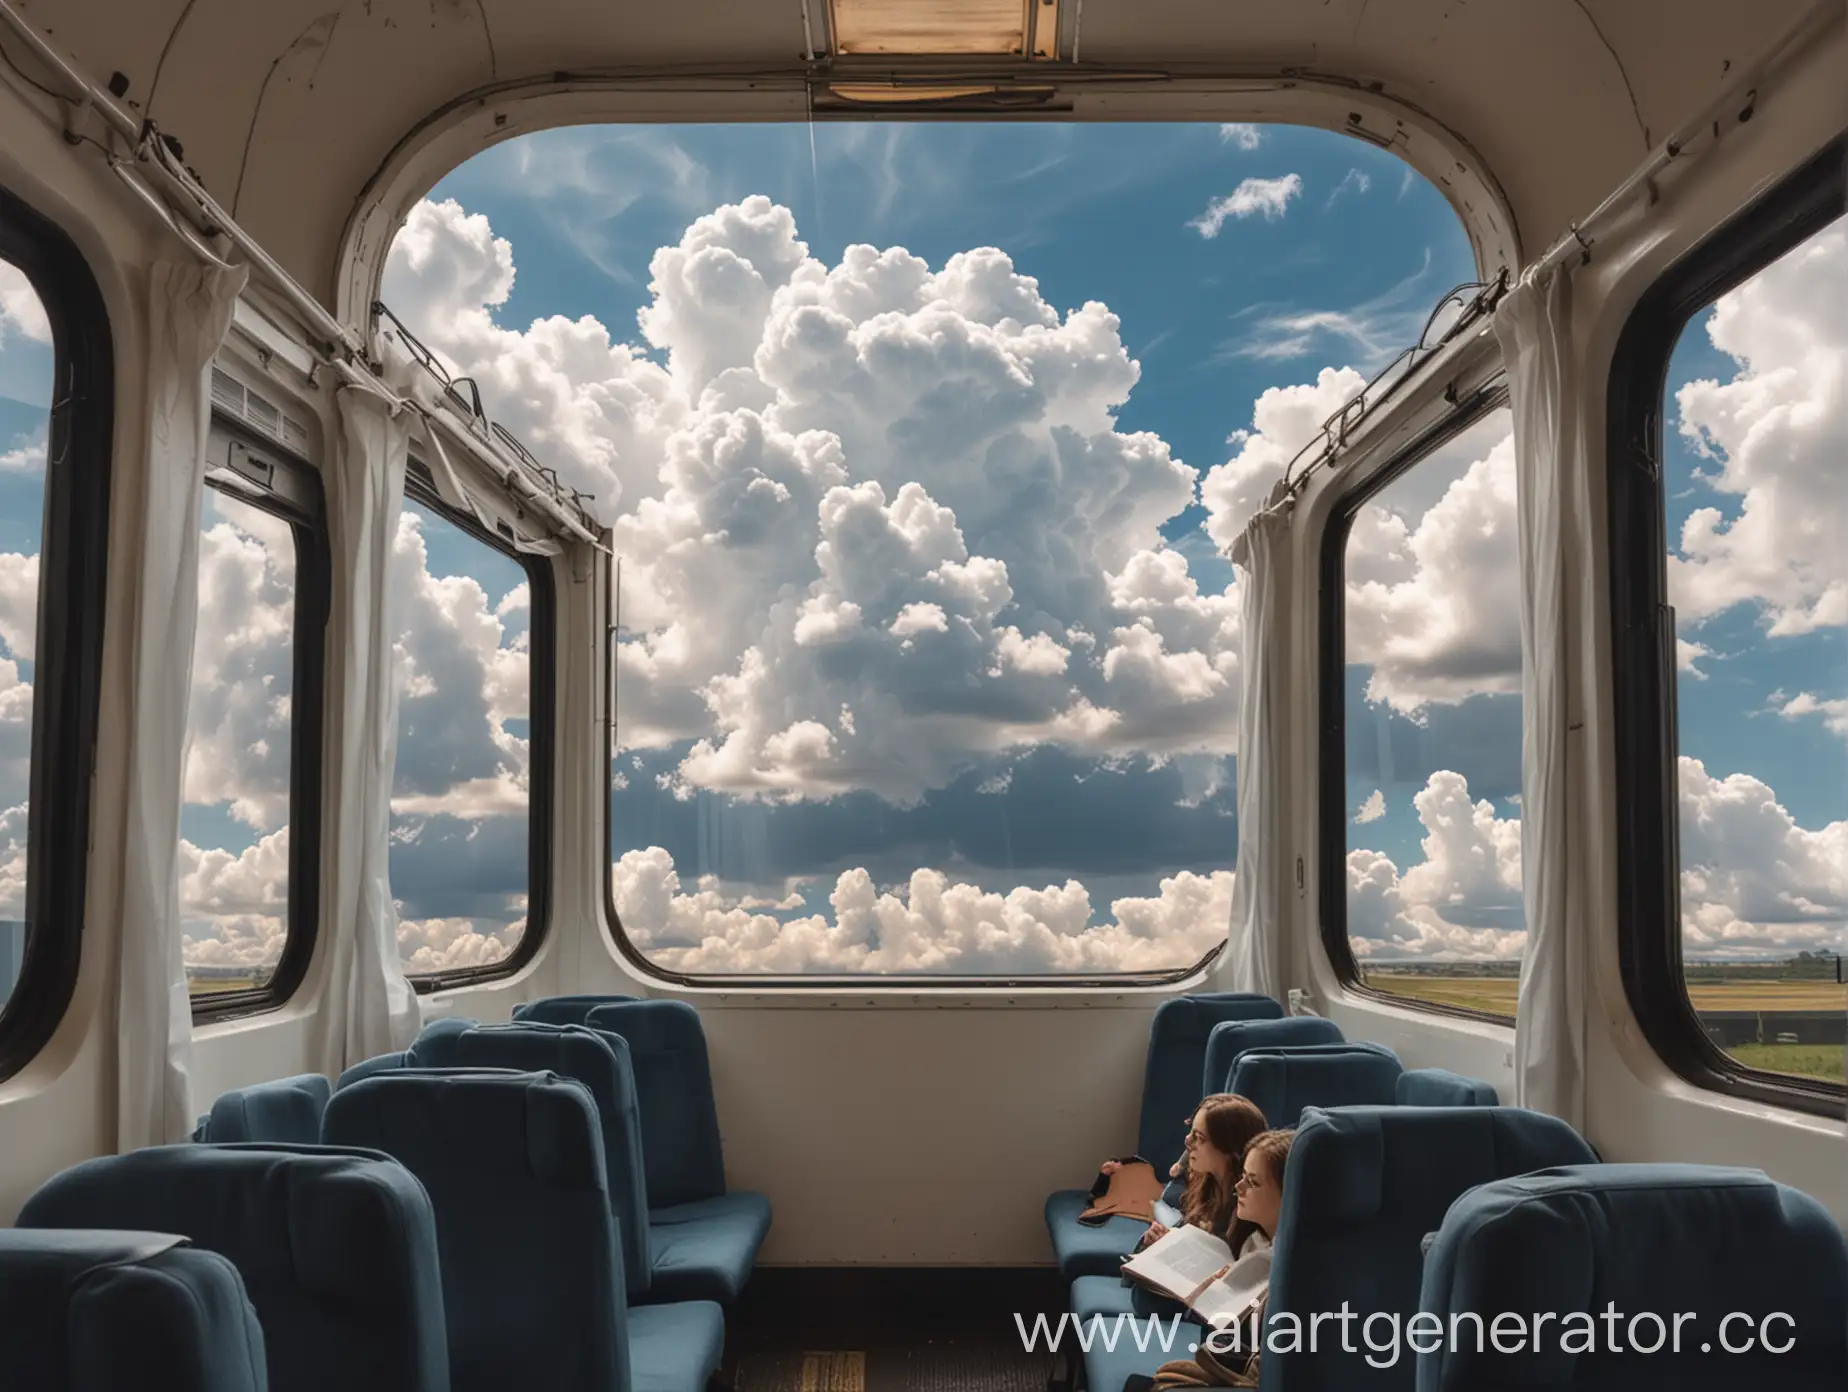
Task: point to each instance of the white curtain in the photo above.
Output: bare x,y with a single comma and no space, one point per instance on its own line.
368,1006
1257,948
1534,326
189,312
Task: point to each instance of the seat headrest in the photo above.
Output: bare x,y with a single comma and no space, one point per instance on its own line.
1282,1084
1227,1040
1438,1087
316,1218
1343,1161
285,1109
94,1310
502,1123
1705,1240
652,1026
563,1010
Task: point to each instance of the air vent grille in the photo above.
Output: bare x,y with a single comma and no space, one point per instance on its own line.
265,417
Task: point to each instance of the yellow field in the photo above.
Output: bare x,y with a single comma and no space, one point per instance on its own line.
1496,995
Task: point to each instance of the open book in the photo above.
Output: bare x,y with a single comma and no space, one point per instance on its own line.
1194,1267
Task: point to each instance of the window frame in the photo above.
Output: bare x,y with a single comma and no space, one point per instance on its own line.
1331,681
303,506
541,739
910,983
68,642
1644,677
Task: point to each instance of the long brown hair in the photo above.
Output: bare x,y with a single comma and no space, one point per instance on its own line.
1273,1147
1231,1123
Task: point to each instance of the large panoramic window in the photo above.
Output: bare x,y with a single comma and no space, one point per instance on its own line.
1736,889
1424,570
54,487
461,839
921,449
250,820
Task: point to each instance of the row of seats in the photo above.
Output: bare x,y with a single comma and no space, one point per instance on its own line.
497,1205
1517,1212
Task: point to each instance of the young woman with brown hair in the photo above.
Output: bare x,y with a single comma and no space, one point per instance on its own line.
1259,1190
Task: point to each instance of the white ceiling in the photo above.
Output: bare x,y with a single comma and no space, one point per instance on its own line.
1557,99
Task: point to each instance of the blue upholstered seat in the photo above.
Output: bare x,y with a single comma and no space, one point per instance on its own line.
1666,1239
365,1068
95,1311
1178,1039
705,1250
673,1079
1085,1249
532,1269
1282,1083
564,1010
443,1027
601,1063
1438,1087
705,1238
1101,1295
1363,1187
287,1110
674,1348
1170,1092
1104,1307
337,1249
1233,1037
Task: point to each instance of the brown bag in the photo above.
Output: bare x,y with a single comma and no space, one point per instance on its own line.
1129,1193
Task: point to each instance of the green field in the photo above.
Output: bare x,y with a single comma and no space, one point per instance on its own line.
1804,1060
1495,995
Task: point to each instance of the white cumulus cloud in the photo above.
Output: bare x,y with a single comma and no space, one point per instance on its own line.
1270,197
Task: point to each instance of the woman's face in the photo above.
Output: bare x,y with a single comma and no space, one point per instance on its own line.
1203,1157
1260,1195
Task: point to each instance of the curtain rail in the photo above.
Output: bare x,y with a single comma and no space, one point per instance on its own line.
1742,87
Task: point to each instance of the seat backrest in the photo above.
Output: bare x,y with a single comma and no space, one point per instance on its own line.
1282,1084
1728,1247
1225,1042
442,1028
286,1110
378,1063
337,1249
599,1061
564,1010
514,1166
1439,1087
673,1080
1171,1075
94,1311
1363,1187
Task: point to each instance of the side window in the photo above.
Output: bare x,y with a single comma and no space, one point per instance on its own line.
468,865
57,395
1422,728
250,819
1731,623
25,420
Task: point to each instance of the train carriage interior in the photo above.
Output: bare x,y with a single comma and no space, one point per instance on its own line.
891,696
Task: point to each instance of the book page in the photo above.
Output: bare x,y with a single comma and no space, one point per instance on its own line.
1179,1262
1230,1297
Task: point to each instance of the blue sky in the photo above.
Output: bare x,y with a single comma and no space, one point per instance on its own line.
1727,720
888,740
1360,251
1093,212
